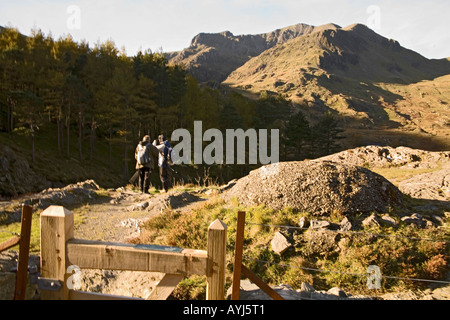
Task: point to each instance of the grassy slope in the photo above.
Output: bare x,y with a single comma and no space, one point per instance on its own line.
398,257
64,169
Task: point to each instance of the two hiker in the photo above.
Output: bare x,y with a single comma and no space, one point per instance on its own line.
143,155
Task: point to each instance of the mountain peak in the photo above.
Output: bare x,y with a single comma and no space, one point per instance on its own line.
355,52
357,26
213,56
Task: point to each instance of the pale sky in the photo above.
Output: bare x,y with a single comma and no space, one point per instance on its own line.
422,26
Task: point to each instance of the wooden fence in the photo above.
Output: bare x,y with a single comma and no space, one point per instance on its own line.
23,240
60,250
240,269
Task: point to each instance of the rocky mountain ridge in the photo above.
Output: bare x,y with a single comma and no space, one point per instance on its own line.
370,82
213,56
354,52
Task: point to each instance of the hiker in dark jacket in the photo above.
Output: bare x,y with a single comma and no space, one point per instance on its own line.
143,155
163,146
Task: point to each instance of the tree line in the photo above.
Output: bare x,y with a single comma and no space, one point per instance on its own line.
100,93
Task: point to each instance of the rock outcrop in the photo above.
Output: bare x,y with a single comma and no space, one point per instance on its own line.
432,185
318,187
386,157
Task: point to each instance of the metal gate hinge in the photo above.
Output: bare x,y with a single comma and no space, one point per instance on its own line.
49,284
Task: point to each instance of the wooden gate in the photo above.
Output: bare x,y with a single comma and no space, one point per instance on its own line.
61,253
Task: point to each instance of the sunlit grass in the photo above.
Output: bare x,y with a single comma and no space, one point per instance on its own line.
400,174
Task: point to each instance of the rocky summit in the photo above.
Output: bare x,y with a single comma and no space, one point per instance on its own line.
318,187
213,56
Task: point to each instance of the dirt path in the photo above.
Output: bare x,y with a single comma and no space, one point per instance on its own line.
113,220
117,217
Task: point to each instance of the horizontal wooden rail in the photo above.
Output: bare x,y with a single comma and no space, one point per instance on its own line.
81,295
60,250
8,244
118,256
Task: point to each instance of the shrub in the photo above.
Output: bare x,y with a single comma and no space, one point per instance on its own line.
398,254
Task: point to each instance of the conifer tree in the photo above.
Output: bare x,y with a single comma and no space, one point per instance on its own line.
298,136
12,59
326,135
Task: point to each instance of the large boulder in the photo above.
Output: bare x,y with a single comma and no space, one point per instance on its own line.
385,157
68,196
318,187
432,186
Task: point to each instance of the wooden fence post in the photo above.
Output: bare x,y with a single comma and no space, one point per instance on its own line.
240,269
239,247
24,252
56,230
217,241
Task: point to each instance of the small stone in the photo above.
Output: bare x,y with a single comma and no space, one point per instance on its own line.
429,224
303,223
387,219
279,243
307,287
306,290
437,219
413,220
372,220
345,225
337,292
319,224
143,205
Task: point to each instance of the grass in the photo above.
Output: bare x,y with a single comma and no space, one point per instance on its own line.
8,230
350,253
16,229
400,174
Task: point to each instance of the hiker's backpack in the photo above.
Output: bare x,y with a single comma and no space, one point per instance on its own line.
143,158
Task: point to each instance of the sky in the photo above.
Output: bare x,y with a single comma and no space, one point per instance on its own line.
170,25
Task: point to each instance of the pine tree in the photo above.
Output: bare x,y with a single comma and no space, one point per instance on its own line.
298,136
12,59
326,134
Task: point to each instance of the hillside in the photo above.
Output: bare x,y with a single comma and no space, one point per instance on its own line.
343,239
213,56
371,81
354,52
